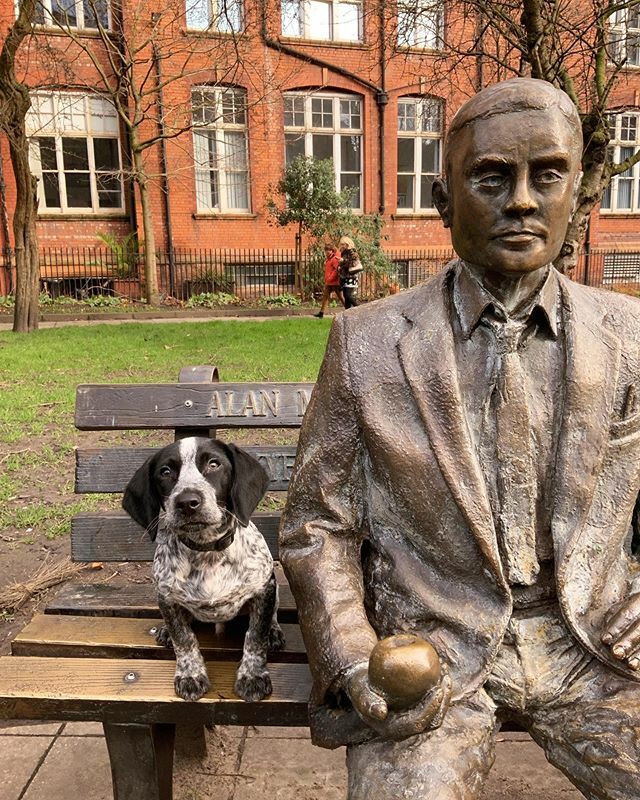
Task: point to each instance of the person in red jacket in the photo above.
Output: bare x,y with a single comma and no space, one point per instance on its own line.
331,278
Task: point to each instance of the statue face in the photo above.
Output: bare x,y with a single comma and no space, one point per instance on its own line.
510,190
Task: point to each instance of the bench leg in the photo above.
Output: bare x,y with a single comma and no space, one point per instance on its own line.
141,760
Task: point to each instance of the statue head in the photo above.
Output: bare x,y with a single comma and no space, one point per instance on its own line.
512,173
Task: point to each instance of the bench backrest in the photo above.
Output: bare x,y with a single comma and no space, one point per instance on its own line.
196,406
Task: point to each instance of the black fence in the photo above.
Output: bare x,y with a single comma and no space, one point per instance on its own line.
251,274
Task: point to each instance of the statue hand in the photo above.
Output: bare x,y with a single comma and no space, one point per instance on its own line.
622,631
371,707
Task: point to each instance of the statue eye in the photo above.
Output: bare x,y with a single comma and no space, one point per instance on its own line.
490,180
548,176
165,471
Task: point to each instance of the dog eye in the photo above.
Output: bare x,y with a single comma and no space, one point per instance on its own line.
213,463
165,472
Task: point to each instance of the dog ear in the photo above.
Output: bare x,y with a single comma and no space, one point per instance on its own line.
141,499
250,482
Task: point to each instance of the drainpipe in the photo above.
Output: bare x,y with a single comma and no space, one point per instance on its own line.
378,92
157,61
382,98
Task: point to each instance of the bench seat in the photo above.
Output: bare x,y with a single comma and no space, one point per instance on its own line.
120,690
117,637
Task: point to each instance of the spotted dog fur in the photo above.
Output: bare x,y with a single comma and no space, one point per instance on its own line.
195,497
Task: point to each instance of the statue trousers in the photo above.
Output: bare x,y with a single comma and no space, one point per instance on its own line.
584,716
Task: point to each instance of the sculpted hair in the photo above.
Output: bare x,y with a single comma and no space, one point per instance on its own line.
511,97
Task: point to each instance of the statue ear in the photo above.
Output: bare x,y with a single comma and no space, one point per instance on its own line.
440,195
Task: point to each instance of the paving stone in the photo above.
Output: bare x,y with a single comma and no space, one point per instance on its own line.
19,757
521,770
76,767
31,729
290,770
83,729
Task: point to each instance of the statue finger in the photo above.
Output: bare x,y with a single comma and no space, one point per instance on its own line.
627,644
620,621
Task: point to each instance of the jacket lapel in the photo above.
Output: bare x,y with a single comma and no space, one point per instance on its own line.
427,355
592,366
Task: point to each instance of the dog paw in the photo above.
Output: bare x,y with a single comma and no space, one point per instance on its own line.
191,687
276,637
253,687
162,636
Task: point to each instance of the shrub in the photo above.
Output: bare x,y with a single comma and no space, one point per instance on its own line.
211,300
280,300
8,302
104,301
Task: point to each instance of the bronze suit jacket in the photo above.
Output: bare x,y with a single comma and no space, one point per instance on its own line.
388,525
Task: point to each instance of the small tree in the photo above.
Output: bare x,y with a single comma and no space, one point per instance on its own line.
306,196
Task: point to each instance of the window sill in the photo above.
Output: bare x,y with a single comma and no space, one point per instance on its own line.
56,30
293,40
432,214
620,214
212,33
91,215
223,215
416,48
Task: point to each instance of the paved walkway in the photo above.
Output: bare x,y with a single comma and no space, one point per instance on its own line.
68,761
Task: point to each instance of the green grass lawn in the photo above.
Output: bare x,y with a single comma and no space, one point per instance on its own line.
40,371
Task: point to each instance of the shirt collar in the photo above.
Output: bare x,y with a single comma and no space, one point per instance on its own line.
471,301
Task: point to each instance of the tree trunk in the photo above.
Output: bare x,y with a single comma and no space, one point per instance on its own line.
152,292
26,311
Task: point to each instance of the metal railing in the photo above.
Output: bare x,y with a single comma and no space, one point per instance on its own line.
250,274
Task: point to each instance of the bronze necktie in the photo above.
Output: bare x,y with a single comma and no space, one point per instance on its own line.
516,474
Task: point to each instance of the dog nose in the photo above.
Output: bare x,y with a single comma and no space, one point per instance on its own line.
188,501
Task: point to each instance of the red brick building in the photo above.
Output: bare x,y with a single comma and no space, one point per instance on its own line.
266,81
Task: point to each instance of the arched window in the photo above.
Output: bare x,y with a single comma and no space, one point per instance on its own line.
220,149
324,126
75,153
419,151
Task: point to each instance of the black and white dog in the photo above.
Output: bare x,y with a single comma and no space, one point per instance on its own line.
197,496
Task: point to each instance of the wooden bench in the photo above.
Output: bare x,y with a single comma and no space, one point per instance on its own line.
92,654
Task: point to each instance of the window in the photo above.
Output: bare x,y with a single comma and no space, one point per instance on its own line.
419,151
624,37
224,16
420,23
335,20
324,126
75,153
220,149
623,193
88,14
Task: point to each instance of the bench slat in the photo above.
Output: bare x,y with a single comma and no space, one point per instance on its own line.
98,689
114,536
109,470
134,600
99,637
195,405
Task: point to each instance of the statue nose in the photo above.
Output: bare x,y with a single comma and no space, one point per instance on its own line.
188,501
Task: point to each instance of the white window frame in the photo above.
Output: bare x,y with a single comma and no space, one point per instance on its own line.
624,37
625,141
44,15
303,126
420,24
297,20
219,127
81,113
418,127
220,16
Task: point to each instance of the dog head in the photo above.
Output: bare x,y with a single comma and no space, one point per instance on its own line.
203,485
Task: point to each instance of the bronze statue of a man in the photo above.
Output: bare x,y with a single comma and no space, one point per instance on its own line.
469,471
